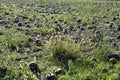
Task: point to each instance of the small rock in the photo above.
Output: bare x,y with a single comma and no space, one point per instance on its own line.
104,70
16,20
107,22
28,26
117,14
94,21
56,22
116,56
118,37
65,22
110,25
71,28
59,71
32,19
118,27
78,26
20,24
24,17
51,76
38,42
34,67
7,26
112,60
78,21
82,29
114,18
52,17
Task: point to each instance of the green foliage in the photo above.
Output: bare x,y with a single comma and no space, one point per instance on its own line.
81,54
64,50
102,52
